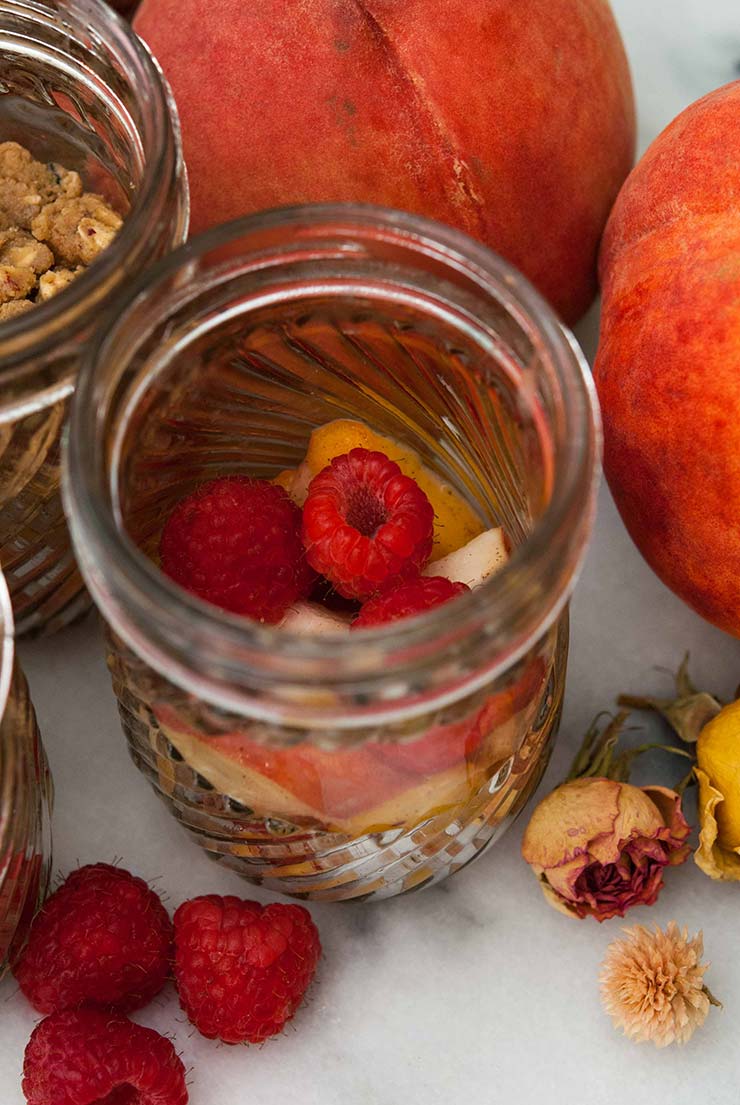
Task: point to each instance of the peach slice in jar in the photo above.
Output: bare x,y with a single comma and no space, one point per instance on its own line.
488,737
351,791
372,787
305,785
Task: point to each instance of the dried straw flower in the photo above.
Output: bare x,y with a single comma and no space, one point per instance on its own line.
652,985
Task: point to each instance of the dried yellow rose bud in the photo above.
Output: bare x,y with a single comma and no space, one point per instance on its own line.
718,774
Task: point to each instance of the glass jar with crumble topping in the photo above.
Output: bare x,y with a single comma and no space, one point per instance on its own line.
376,762
25,799
92,190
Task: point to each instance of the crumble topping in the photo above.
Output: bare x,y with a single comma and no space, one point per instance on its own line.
50,229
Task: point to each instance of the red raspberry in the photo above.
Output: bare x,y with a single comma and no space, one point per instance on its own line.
366,526
406,599
86,1057
236,542
104,939
242,969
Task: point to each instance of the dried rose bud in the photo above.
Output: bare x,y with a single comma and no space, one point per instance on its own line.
599,847
713,731
652,985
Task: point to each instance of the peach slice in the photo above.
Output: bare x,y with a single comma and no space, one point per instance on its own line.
311,619
474,562
300,783
368,788
316,789
445,790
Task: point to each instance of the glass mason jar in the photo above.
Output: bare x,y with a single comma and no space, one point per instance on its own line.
376,762
77,87
25,799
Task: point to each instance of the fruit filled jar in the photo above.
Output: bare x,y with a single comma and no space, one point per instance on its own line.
229,401
25,798
92,190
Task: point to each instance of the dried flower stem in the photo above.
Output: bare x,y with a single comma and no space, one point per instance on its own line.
687,713
597,758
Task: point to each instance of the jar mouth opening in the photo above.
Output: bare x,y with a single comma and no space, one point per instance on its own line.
21,337
122,578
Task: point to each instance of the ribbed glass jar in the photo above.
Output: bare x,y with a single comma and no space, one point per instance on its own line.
79,88
25,799
379,761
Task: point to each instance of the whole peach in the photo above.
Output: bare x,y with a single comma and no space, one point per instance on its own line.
511,121
668,365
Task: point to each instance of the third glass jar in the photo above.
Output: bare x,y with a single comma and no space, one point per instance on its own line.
378,762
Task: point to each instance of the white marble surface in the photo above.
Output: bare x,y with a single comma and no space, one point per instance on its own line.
475,990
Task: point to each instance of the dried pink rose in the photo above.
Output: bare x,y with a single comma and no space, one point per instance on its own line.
599,846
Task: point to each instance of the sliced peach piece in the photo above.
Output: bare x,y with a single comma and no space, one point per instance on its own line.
484,738
303,782
445,790
311,619
473,563
316,788
367,788
436,751
235,776
285,479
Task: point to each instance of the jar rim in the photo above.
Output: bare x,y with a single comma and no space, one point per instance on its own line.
20,337
118,573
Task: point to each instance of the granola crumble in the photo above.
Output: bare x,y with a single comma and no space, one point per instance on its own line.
50,229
